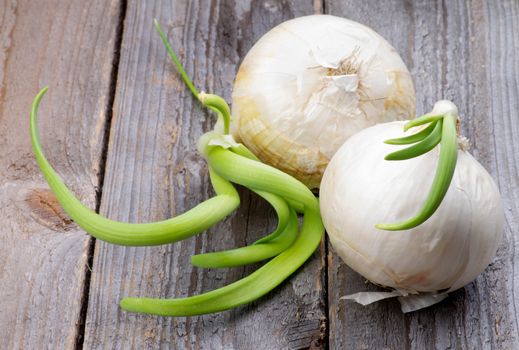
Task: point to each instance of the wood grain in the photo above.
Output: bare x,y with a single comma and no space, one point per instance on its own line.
463,50
69,47
154,171
466,51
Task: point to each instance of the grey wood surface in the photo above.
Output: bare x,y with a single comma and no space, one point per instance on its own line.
154,171
141,164
43,256
466,51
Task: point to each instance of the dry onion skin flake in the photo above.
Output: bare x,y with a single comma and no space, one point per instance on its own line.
309,84
424,222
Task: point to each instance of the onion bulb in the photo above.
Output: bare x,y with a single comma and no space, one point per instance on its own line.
360,190
309,84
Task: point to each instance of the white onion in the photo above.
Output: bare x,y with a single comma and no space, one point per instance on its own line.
309,84
450,249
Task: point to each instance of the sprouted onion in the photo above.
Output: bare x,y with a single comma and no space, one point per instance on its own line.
309,84
447,235
229,162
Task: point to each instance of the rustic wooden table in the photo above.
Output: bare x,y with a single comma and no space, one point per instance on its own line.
121,129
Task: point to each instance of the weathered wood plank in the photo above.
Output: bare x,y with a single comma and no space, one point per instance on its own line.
154,171
43,256
465,51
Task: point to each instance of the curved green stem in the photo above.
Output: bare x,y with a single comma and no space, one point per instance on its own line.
278,241
265,247
250,254
260,177
422,147
217,104
194,221
277,203
425,119
282,211
243,151
442,179
419,136
244,290
229,166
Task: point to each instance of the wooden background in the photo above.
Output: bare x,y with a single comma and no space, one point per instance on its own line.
121,128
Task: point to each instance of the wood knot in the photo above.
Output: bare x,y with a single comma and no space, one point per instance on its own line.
46,210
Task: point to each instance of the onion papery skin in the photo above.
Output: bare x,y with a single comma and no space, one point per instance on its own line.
360,189
309,84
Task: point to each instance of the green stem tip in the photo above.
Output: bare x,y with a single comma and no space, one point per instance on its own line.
175,59
213,102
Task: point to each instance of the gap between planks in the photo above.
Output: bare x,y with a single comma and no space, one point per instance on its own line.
80,336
